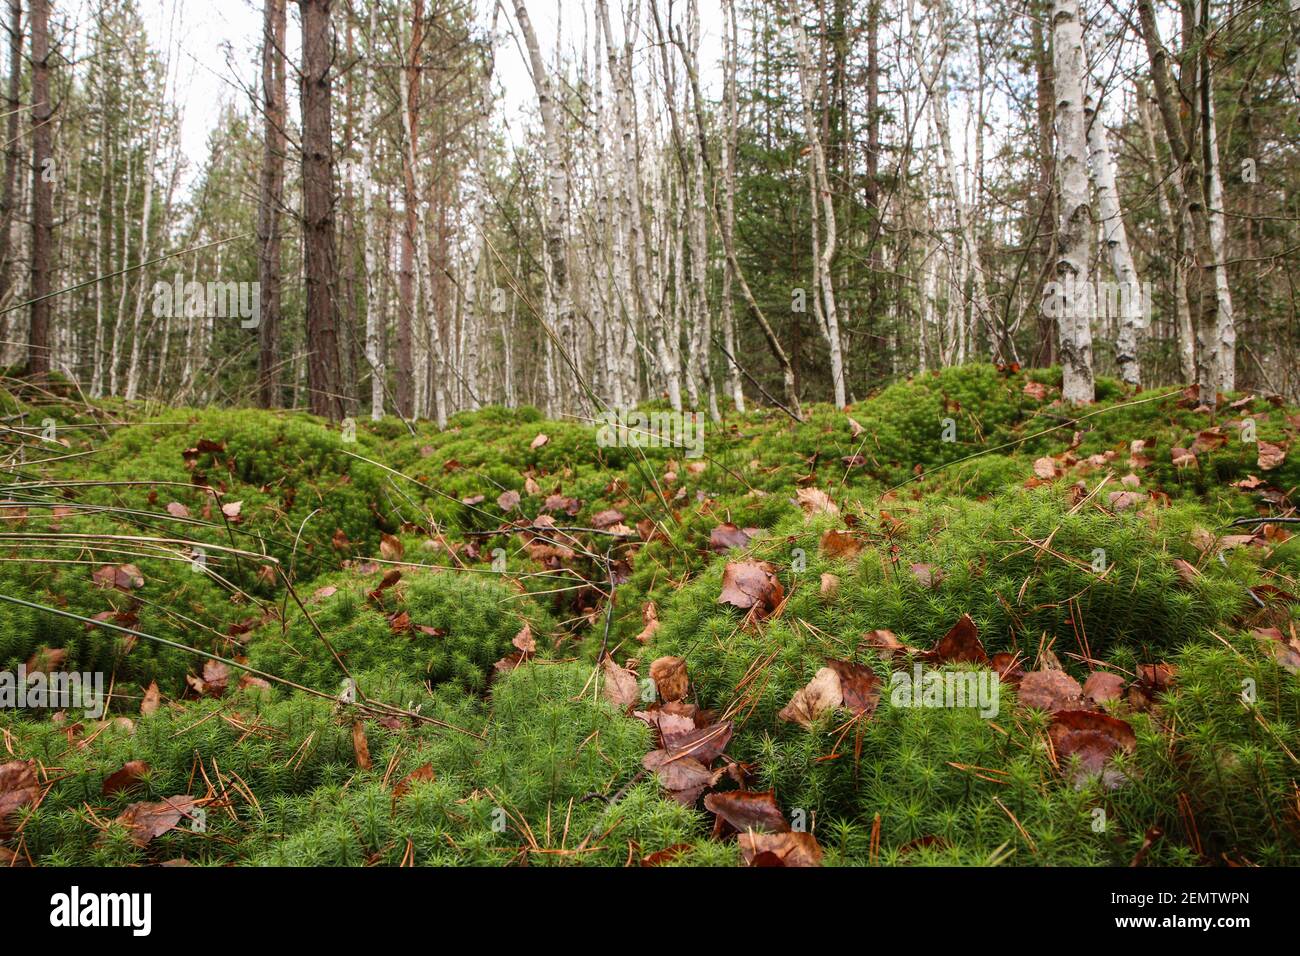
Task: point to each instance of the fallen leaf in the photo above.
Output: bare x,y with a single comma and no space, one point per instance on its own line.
650,618
18,788
927,575
727,536
541,439
152,699
821,694
621,688
1049,690
422,773
670,677
1103,686
231,509
961,643
359,745
884,642
751,584
780,849
747,810
829,587
1270,456
128,778
816,501
859,686
390,547
840,544
149,820
177,510
508,500
1093,738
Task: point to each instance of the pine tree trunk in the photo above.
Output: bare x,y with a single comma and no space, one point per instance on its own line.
270,199
38,335
323,372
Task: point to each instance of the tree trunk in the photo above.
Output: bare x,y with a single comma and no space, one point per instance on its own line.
13,155
825,245
270,199
374,314
1188,181
43,172
555,221
323,373
1115,243
1075,227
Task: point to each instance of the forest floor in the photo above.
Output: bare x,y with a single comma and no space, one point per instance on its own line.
507,642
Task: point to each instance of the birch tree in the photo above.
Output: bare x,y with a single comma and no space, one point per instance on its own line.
824,245
1073,298
1114,239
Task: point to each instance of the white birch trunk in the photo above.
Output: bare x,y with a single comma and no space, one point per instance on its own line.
1075,227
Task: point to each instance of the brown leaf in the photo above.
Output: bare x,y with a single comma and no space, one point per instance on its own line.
854,428
177,510
682,776
18,788
885,643
1123,500
840,544
780,849
603,519
727,536
666,855
620,685
670,677
1094,738
816,501
821,694
1102,686
128,778
46,660
508,500
1270,456
424,772
829,587
751,584
541,439
152,699
1187,572
650,618
1036,391
1008,667
706,744
859,685
149,820
359,744
1182,457
961,643
927,575
1045,468
390,547
1050,690
747,810
231,509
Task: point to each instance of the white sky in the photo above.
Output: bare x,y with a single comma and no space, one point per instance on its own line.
219,43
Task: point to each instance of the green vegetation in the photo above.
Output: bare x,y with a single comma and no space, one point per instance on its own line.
482,729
